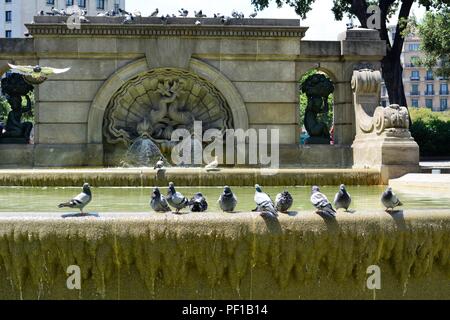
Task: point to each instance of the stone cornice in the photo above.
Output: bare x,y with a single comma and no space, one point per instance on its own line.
151,27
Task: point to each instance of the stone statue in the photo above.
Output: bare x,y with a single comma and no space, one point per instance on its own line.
161,101
16,131
317,88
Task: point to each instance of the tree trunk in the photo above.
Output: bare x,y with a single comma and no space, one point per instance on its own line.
392,72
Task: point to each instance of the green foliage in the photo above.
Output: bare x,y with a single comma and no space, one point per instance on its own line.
434,32
5,108
327,118
431,130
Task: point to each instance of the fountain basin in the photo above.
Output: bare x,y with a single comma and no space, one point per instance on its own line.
225,256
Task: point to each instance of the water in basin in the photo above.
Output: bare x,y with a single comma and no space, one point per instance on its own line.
28,199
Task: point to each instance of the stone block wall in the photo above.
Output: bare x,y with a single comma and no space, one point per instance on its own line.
257,66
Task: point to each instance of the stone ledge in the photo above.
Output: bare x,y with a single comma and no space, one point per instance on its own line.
101,26
186,177
225,256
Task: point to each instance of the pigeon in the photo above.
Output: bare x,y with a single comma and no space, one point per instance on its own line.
263,203
37,72
183,12
225,20
158,202
176,199
83,19
198,203
253,15
197,23
390,200
159,164
128,19
283,201
320,201
41,13
227,200
154,13
199,14
81,200
342,199
213,165
218,15
55,11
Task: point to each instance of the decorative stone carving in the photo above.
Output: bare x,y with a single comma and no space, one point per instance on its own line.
317,88
382,139
156,103
370,117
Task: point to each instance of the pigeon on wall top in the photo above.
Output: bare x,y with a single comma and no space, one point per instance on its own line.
227,200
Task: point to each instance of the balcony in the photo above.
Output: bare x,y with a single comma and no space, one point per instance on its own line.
415,78
429,78
443,92
429,93
414,93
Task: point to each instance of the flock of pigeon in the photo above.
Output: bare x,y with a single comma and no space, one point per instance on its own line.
129,17
228,201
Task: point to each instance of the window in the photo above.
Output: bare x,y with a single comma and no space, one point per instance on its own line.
443,88
7,1
413,47
8,34
415,103
443,104
51,2
415,89
429,75
415,75
69,3
8,16
430,90
429,103
82,3
101,4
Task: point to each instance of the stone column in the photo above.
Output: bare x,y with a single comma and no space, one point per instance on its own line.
383,139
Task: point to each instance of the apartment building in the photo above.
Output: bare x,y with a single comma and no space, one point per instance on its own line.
422,87
14,14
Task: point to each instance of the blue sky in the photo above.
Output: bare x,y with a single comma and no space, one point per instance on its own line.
320,20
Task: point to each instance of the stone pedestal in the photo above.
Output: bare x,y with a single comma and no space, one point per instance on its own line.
383,139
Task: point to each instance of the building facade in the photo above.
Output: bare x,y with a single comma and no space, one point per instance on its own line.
14,14
422,87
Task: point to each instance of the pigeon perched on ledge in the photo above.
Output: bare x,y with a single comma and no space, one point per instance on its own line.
264,204
320,201
158,202
198,203
213,166
159,164
283,201
390,199
80,201
342,198
227,200
176,199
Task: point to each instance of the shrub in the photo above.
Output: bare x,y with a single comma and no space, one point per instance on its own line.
431,130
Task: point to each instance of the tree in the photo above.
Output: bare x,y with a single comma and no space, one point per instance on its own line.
434,32
391,65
